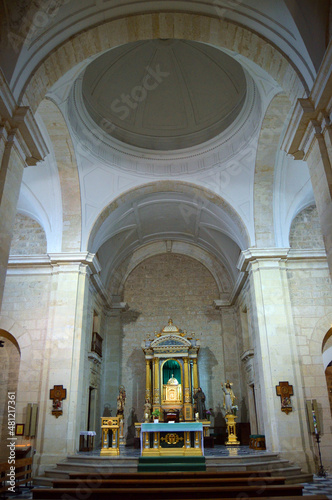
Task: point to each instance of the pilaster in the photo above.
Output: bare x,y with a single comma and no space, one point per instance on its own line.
65,362
21,144
308,137
277,356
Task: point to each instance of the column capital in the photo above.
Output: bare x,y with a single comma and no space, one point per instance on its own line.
64,258
251,255
20,119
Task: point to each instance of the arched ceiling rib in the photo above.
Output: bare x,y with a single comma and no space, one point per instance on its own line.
269,19
152,215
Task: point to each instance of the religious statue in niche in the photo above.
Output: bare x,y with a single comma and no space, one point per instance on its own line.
57,394
285,391
229,397
199,398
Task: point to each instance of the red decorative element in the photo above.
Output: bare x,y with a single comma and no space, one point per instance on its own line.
57,394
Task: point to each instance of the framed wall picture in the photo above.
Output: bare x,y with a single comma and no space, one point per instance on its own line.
19,429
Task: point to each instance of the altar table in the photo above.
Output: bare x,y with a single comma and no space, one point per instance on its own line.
183,438
86,440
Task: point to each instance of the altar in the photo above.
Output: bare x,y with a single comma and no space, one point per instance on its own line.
171,372
183,438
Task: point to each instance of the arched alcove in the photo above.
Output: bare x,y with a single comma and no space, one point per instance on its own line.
327,359
10,357
176,286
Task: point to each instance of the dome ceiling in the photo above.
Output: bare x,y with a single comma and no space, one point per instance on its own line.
164,95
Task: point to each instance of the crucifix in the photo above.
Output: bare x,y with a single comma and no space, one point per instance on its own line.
285,391
57,394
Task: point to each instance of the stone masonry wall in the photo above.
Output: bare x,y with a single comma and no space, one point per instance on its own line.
25,305
305,231
311,299
178,287
28,237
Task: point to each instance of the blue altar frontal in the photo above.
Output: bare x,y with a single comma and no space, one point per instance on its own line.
184,438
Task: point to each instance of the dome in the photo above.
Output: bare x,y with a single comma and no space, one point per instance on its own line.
164,95
172,381
170,328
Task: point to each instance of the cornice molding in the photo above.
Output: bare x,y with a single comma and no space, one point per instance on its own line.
19,121
51,259
277,254
312,109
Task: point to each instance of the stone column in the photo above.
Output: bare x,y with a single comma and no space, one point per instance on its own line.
21,144
277,356
308,138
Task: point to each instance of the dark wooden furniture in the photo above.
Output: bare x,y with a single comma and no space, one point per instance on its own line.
171,415
23,470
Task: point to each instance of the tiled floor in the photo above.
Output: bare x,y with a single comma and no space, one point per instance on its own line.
320,485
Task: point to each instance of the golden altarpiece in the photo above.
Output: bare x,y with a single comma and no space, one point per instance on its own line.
171,371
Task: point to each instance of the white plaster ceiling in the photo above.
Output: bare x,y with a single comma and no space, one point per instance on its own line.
174,216
164,94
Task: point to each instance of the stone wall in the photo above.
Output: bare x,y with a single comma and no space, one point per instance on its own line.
311,299
305,231
25,311
28,237
178,287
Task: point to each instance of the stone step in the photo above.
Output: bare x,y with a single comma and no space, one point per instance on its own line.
96,460
251,462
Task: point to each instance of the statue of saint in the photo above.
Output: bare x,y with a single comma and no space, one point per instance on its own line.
199,398
121,399
147,410
229,397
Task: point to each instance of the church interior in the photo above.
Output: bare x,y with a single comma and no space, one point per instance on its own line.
166,223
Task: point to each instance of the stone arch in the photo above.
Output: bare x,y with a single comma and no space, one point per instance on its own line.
319,335
327,349
221,276
10,357
171,186
213,30
268,145
11,338
178,287
68,174
24,342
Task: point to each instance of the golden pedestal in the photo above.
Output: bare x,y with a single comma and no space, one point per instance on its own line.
110,436
231,429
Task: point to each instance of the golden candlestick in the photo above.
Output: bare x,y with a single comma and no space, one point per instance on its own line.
231,429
